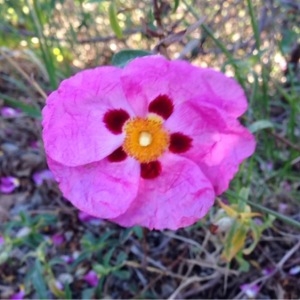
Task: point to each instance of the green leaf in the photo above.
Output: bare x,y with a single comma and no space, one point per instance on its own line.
280,216
122,274
244,265
87,293
96,1
121,58
260,125
107,257
176,4
122,256
38,281
138,231
101,270
27,109
112,14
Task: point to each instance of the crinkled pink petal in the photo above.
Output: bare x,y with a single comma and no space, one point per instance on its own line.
73,130
178,197
145,78
101,189
220,143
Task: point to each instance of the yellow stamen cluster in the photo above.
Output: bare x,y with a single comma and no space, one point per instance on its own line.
145,139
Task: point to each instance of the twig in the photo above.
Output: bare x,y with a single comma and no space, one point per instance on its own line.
203,263
194,279
278,267
287,256
190,241
202,288
109,37
153,270
28,78
285,141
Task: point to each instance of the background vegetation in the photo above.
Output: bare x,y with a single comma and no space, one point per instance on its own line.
249,244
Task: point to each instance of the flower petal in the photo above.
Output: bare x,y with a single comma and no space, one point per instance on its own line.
40,176
91,278
219,143
74,132
147,77
143,80
178,197
8,184
101,189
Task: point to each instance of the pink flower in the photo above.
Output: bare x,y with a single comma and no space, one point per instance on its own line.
91,278
8,184
150,144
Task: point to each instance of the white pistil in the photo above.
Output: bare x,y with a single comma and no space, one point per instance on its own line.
145,138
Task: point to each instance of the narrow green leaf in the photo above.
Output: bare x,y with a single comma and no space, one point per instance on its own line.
121,58
122,274
96,1
254,23
38,281
27,109
260,125
176,4
280,216
107,257
113,19
138,231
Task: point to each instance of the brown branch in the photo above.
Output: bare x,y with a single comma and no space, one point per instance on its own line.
285,141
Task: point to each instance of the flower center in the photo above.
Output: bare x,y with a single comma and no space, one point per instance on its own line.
145,139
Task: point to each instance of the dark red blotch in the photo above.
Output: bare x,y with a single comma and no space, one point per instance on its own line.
117,156
114,120
179,142
162,105
150,170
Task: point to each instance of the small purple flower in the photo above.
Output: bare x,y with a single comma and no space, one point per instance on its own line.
58,285
250,290
8,184
58,239
34,144
18,296
91,278
268,271
258,221
67,259
294,270
2,241
9,112
23,232
84,217
282,208
40,176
